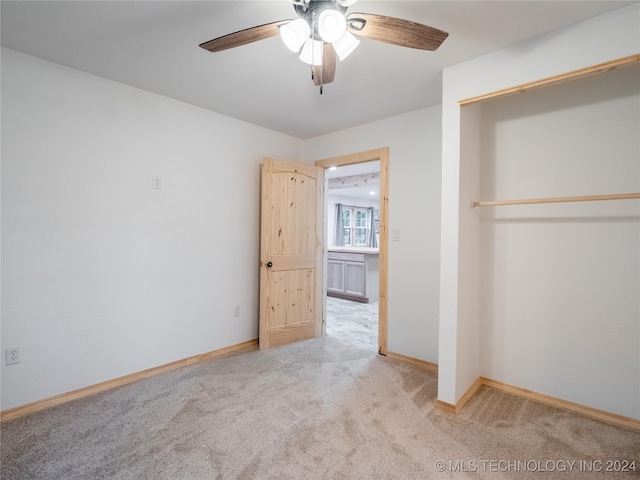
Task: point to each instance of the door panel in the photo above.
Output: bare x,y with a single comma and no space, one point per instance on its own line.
291,253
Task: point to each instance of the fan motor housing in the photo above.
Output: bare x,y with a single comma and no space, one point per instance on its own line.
314,9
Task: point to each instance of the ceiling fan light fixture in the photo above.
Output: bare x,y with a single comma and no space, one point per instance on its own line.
331,25
312,52
346,44
295,33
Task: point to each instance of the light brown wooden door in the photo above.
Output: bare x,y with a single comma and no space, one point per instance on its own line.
291,253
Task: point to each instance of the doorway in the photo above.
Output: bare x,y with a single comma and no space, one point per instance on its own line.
381,157
352,203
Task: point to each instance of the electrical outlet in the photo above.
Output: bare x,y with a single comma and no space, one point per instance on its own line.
236,310
13,355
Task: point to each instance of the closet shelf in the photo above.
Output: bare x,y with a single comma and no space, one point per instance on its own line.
585,198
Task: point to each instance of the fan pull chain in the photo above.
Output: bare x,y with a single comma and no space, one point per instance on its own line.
322,69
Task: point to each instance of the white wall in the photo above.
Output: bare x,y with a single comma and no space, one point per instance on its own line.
102,275
414,212
596,41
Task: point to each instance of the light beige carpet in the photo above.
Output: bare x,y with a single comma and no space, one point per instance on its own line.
320,409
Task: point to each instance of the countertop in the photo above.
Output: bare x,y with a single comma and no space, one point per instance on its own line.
365,250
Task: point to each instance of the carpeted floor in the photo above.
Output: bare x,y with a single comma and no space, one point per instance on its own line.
321,409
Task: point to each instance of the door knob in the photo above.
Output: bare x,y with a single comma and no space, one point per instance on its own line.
269,264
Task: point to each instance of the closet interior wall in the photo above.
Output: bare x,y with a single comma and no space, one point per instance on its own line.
558,284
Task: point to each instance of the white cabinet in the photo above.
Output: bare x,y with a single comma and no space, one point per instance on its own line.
352,275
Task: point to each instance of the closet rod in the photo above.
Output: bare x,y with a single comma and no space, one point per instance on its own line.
586,198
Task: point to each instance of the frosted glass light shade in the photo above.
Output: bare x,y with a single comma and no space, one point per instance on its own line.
346,44
312,52
294,34
331,25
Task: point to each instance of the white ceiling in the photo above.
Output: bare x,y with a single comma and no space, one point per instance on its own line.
153,45
357,169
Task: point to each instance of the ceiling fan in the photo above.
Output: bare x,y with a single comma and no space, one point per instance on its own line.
324,31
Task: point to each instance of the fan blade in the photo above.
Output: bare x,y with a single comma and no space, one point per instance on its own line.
248,35
325,73
395,31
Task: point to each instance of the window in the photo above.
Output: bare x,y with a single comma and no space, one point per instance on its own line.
356,226
360,227
346,222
